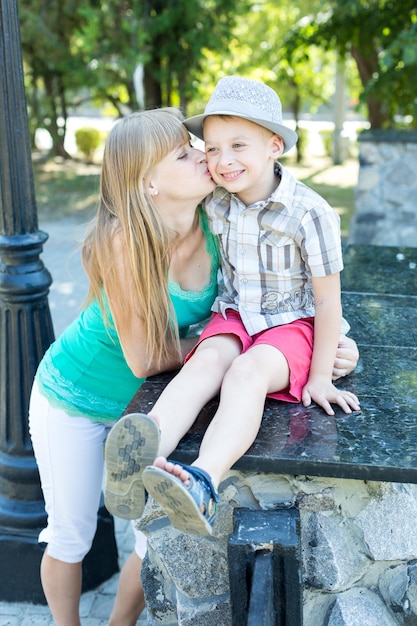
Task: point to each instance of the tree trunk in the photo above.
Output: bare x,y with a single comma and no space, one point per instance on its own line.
57,137
367,66
296,113
153,95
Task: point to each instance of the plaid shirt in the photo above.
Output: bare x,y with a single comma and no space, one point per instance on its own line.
270,251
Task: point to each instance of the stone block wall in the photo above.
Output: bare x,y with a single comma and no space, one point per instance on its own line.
385,196
359,552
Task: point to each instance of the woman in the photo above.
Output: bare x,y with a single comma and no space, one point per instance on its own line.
152,266
133,326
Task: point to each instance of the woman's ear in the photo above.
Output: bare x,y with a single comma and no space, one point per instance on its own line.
153,191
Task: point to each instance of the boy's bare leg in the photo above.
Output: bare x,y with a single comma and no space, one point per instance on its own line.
234,427
197,382
261,370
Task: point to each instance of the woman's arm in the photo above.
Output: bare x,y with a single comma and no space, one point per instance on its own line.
130,324
347,357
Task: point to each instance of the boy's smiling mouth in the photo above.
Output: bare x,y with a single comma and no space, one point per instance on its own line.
229,176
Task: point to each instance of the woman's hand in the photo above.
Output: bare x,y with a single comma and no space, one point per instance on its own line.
347,357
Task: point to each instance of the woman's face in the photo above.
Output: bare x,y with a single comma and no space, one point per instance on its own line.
182,175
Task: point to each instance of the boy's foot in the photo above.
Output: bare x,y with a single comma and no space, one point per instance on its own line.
131,445
185,492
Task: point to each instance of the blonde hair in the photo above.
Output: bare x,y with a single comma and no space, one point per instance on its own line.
134,147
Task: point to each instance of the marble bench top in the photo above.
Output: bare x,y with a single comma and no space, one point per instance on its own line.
379,294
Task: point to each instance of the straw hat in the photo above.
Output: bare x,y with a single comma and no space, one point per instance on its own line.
249,99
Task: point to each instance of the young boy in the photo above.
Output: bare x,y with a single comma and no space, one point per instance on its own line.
275,329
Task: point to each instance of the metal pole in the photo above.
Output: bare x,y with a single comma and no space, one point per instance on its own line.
26,332
25,324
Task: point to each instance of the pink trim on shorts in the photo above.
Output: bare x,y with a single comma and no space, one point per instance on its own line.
294,340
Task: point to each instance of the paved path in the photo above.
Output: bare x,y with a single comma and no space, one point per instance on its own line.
62,258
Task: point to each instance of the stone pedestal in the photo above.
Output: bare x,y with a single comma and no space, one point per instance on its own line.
358,545
385,197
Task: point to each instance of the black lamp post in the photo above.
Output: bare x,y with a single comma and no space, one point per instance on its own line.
26,331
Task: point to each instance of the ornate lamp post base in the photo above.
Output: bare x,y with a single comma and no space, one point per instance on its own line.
26,332
21,556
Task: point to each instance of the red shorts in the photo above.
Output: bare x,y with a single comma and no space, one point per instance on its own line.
294,340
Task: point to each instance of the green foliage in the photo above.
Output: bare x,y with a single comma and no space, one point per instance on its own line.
85,50
257,49
180,31
326,135
88,140
79,50
53,72
381,36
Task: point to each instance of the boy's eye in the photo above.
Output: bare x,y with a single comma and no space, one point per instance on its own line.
183,156
238,145
211,149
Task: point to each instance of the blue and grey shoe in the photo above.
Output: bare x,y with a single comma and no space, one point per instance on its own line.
190,508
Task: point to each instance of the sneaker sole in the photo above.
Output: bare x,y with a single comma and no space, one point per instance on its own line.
131,445
177,501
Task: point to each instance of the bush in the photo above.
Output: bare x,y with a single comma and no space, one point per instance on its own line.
88,140
327,137
327,140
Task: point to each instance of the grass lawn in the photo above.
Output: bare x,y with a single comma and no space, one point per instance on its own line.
65,188
335,183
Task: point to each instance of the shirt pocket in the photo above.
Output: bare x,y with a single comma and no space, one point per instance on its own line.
277,252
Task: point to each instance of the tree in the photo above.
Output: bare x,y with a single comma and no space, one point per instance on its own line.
111,42
381,36
258,50
53,72
166,38
179,32
79,49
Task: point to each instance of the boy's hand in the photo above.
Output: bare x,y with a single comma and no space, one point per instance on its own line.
321,391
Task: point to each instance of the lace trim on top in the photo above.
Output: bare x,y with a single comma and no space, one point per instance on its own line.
193,296
72,400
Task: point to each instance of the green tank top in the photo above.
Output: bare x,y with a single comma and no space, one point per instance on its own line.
84,371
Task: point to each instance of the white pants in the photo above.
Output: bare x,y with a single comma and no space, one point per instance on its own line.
69,454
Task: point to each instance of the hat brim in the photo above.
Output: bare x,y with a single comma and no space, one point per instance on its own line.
195,126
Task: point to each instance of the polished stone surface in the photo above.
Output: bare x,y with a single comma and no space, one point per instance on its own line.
380,270
380,442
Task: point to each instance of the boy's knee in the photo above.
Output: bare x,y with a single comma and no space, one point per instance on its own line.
208,359
245,367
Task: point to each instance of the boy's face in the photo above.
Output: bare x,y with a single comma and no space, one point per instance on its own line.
241,155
